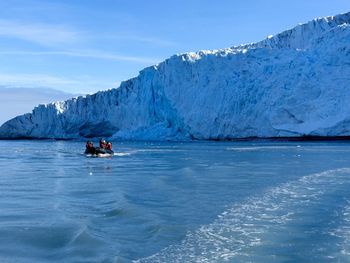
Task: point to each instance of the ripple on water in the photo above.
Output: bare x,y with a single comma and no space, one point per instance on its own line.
119,212
54,241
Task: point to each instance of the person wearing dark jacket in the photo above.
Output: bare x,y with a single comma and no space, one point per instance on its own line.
90,149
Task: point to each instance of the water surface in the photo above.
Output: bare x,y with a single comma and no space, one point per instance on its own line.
175,202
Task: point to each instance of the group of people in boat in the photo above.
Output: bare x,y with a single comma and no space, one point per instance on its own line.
104,148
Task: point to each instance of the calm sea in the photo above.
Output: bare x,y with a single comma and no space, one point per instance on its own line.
175,202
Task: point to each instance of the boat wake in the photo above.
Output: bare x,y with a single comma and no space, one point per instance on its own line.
266,228
120,154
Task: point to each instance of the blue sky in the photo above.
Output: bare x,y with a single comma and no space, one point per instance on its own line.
82,46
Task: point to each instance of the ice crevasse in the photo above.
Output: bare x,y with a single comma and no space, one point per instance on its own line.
292,84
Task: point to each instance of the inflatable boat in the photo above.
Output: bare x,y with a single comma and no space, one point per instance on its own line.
98,152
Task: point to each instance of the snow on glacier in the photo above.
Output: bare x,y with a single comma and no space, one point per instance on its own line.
292,84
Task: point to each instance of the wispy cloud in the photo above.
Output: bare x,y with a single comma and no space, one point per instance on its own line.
87,54
43,34
32,80
53,34
154,41
109,56
76,85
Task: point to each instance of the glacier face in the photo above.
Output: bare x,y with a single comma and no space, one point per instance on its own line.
292,84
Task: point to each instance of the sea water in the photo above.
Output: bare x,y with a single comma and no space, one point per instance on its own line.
175,202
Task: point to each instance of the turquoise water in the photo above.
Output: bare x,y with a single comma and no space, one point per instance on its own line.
175,202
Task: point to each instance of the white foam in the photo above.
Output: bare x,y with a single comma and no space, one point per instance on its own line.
108,155
343,232
237,232
122,153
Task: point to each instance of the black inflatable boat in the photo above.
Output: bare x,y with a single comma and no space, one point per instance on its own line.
99,152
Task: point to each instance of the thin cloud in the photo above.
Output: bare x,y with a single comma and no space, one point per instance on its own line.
87,54
49,35
78,85
108,56
32,80
142,39
42,34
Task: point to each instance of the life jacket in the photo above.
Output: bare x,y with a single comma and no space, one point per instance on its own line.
109,146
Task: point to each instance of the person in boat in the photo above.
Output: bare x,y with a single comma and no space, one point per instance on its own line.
109,146
90,149
105,147
103,144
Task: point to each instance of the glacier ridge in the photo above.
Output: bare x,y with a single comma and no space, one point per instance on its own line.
295,83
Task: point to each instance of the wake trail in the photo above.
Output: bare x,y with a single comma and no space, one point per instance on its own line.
241,233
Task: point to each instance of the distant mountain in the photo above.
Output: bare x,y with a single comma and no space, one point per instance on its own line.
293,84
16,101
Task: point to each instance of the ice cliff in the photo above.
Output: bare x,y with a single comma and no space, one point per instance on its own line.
292,84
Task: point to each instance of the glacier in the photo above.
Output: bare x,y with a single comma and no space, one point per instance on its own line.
296,83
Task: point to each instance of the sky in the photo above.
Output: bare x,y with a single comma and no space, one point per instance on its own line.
17,101
83,46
